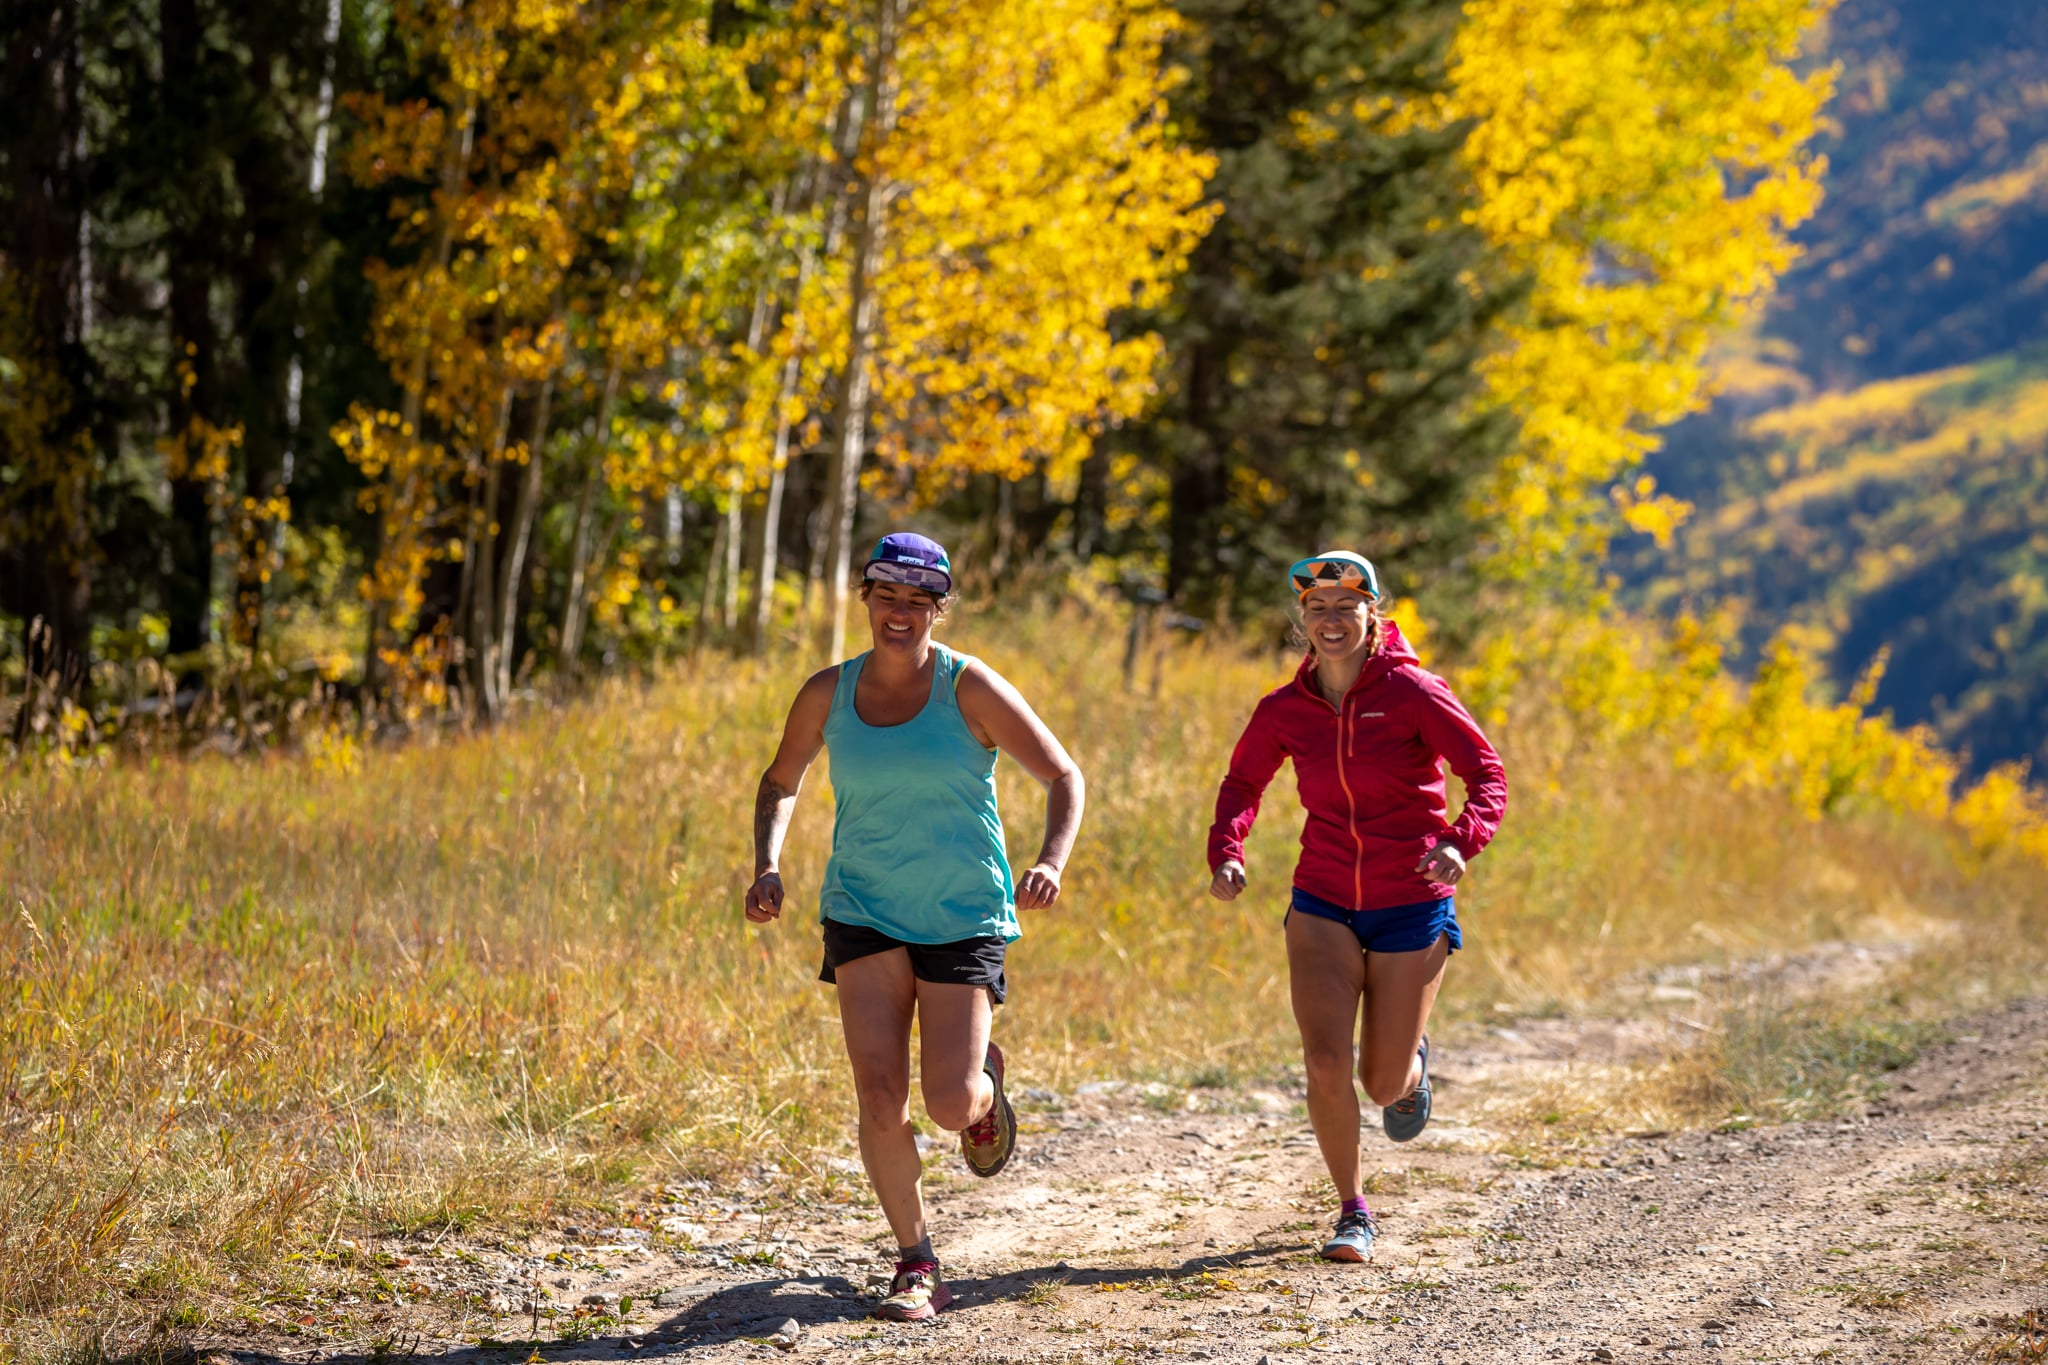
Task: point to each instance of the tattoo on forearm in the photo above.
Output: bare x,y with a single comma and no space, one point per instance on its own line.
771,814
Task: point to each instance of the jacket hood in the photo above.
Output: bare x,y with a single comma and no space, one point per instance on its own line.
1394,651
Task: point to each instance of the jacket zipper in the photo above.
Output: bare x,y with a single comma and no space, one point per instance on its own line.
1357,858
1345,733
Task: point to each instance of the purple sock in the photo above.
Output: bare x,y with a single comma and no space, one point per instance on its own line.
1354,1206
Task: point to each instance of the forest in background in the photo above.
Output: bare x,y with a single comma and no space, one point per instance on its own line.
430,352
1874,475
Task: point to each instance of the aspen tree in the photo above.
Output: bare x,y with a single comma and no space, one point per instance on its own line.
542,266
1646,163
1011,186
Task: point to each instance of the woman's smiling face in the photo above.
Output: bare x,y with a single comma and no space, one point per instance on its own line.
1337,622
900,616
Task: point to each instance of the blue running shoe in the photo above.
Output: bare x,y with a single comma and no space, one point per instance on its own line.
1353,1239
1405,1118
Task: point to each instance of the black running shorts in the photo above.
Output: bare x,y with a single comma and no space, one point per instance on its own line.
967,962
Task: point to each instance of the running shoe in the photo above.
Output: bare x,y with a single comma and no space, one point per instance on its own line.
988,1141
1353,1239
915,1294
1408,1116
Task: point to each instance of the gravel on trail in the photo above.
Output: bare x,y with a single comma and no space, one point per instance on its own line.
1132,1228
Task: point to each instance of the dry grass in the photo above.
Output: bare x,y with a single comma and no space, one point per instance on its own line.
257,1009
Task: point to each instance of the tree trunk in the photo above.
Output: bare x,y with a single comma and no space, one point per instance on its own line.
729,604
472,550
519,533
272,494
454,160
482,616
708,607
771,533
778,472
575,610
871,193
1197,487
814,529
262,228
765,304
1005,537
761,619
1091,505
191,249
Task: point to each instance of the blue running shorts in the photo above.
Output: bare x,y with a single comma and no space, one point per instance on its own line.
1396,929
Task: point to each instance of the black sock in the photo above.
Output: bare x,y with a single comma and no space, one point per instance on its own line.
921,1252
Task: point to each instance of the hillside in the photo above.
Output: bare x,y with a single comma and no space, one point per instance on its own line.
1875,473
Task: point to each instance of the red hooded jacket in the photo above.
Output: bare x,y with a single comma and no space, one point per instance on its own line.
1369,777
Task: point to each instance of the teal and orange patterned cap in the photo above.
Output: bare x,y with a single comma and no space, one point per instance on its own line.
1335,569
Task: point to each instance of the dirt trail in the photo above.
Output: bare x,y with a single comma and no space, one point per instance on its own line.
1128,1229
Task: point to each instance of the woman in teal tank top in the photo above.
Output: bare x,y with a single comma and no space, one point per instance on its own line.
918,905
917,842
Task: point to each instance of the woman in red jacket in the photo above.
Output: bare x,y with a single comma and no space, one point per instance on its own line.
1372,917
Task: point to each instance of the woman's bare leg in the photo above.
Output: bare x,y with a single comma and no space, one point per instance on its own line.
877,995
952,1029
1325,976
1400,991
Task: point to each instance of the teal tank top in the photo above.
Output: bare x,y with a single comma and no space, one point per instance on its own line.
917,841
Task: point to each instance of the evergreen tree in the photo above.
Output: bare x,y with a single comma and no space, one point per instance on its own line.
165,285
47,555
1323,383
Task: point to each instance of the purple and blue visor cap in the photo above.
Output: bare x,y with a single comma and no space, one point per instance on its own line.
908,558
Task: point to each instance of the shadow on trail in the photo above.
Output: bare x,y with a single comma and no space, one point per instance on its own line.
733,1313
975,1290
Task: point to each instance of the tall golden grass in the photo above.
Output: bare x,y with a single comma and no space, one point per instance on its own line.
256,1006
